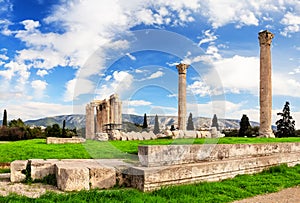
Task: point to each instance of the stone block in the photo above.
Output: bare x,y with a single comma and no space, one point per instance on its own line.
16,168
59,140
198,134
214,132
72,177
168,133
190,134
102,177
41,168
116,135
146,135
102,136
152,136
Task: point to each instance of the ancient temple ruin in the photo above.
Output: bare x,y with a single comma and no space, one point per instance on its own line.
108,116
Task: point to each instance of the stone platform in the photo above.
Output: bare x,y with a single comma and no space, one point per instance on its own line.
160,165
72,174
165,165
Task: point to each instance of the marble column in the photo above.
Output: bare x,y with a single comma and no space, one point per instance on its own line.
89,122
265,90
182,68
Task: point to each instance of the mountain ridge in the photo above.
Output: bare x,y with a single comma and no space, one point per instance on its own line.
78,121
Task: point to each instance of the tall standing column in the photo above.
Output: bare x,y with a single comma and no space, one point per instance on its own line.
89,122
265,93
182,68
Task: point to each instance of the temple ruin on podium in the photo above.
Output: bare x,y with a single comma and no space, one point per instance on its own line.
108,116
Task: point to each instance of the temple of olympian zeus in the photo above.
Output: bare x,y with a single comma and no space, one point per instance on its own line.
109,112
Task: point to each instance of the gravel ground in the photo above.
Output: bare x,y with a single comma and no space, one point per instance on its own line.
289,195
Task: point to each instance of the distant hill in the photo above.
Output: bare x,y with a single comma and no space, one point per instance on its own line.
78,121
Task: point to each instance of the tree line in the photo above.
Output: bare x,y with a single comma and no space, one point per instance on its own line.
285,125
16,129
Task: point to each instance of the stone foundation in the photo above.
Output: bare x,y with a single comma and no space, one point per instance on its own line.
161,165
58,140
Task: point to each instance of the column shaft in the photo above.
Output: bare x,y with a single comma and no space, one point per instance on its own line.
265,93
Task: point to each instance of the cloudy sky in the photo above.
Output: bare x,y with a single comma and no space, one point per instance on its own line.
56,56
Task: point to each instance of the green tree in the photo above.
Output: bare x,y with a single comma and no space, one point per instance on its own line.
244,125
145,124
190,123
53,131
285,125
4,121
214,122
156,126
16,123
64,133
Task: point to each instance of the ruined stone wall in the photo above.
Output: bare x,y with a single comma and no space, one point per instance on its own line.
58,140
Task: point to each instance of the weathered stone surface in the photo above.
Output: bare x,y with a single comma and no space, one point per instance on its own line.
116,135
265,93
41,168
16,168
168,133
108,111
102,136
150,178
102,177
159,155
146,135
58,140
182,69
190,134
72,177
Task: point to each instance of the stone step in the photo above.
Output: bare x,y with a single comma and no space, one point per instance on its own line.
4,176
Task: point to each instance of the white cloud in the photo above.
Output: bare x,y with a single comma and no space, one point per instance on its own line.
131,56
120,83
41,73
30,25
136,103
222,108
3,57
199,88
172,95
39,85
34,110
292,23
285,86
157,74
107,78
77,87
208,37
235,74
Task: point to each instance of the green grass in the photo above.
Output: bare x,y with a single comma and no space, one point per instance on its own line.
240,187
38,149
4,170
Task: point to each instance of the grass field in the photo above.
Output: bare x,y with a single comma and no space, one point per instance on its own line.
38,149
229,190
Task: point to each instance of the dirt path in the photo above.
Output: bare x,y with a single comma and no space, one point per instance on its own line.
289,195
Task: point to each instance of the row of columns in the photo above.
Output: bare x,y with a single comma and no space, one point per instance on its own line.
110,111
107,112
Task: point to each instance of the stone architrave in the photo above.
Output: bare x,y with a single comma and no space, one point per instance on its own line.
182,68
265,90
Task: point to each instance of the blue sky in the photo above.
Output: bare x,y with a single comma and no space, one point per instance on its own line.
56,56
